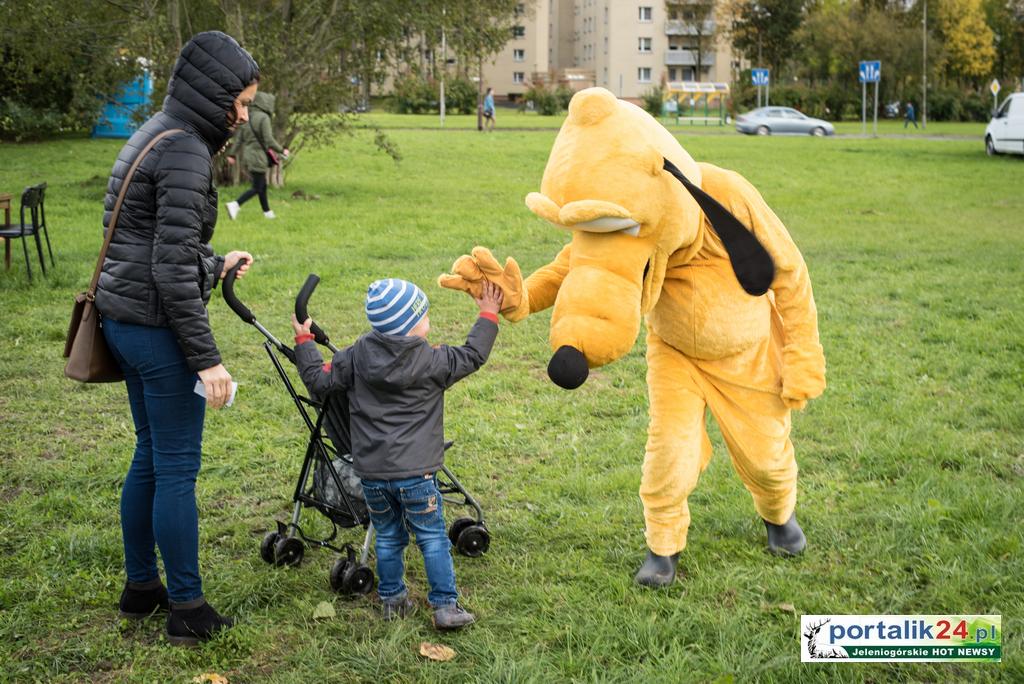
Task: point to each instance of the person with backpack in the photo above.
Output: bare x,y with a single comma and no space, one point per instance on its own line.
257,150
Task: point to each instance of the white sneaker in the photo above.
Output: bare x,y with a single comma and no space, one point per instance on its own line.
269,214
233,209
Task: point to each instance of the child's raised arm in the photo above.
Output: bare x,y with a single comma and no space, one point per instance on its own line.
320,378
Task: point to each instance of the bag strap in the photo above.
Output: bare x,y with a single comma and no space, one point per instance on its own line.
91,292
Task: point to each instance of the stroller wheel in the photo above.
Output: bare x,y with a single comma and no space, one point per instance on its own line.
360,580
338,574
267,547
474,541
351,579
456,529
288,551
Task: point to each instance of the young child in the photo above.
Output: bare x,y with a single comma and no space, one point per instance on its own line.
395,383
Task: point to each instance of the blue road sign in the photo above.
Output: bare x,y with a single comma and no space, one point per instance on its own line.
870,72
759,77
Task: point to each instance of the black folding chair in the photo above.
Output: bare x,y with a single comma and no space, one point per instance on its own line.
30,199
42,220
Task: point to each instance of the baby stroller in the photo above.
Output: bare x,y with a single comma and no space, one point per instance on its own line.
327,480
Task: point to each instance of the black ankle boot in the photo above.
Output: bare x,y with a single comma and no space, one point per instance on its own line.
140,600
657,571
786,539
193,622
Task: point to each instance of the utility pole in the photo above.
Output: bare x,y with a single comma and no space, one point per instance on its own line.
924,67
444,63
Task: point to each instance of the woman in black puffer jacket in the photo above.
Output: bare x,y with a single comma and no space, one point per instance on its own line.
156,281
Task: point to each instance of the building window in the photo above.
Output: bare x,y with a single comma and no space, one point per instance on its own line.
643,74
518,31
644,44
646,14
520,9
519,77
671,73
518,55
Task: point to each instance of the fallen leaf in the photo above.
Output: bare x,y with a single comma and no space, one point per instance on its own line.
210,678
787,608
438,652
323,610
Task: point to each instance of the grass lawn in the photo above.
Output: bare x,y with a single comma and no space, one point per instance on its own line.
514,119
912,464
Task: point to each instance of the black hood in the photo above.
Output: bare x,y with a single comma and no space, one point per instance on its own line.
211,71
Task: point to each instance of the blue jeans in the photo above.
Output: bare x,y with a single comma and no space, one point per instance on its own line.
158,501
396,508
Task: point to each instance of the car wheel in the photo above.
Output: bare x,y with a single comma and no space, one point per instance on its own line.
763,130
990,147
818,131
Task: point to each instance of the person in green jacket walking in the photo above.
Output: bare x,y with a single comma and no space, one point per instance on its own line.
250,150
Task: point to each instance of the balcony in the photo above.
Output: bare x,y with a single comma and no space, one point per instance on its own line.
678,27
688,58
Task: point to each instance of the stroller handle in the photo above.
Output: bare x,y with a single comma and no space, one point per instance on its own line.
301,313
229,295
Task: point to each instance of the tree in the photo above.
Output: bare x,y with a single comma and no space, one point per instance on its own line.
1006,18
764,30
697,20
968,40
46,88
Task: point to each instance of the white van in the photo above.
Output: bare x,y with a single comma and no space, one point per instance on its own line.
1005,132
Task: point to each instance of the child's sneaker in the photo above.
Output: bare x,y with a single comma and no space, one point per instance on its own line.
139,601
189,626
233,209
398,608
269,214
452,617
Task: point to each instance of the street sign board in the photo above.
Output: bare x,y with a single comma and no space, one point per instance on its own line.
759,77
870,72
995,86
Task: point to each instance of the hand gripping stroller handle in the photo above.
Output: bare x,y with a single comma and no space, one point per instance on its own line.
229,295
301,313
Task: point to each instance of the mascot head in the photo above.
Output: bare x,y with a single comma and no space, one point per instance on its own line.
630,195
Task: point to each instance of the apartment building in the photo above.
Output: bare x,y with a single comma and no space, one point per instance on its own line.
627,46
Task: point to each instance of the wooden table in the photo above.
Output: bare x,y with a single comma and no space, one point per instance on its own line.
5,204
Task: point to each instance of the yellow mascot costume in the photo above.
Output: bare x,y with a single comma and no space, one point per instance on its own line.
731,322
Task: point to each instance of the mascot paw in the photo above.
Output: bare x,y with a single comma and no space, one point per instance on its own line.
470,271
786,539
657,571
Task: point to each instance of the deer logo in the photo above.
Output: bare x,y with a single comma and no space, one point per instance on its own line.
812,643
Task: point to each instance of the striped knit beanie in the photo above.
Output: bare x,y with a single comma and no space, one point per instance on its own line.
394,306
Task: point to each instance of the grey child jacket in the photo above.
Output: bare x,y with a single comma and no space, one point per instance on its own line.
395,387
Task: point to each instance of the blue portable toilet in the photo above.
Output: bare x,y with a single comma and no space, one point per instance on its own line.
116,119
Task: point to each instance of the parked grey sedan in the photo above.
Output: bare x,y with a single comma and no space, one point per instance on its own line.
781,121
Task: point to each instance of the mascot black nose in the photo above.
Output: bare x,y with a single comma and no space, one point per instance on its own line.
568,368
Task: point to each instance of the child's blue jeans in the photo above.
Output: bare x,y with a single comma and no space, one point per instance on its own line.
158,500
396,508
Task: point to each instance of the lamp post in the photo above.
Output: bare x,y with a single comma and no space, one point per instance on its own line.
924,67
444,62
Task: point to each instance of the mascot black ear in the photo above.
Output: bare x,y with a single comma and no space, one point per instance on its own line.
751,262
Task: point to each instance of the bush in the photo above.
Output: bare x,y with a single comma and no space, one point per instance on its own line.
976,107
944,105
20,122
563,94
414,95
544,101
653,100
460,95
